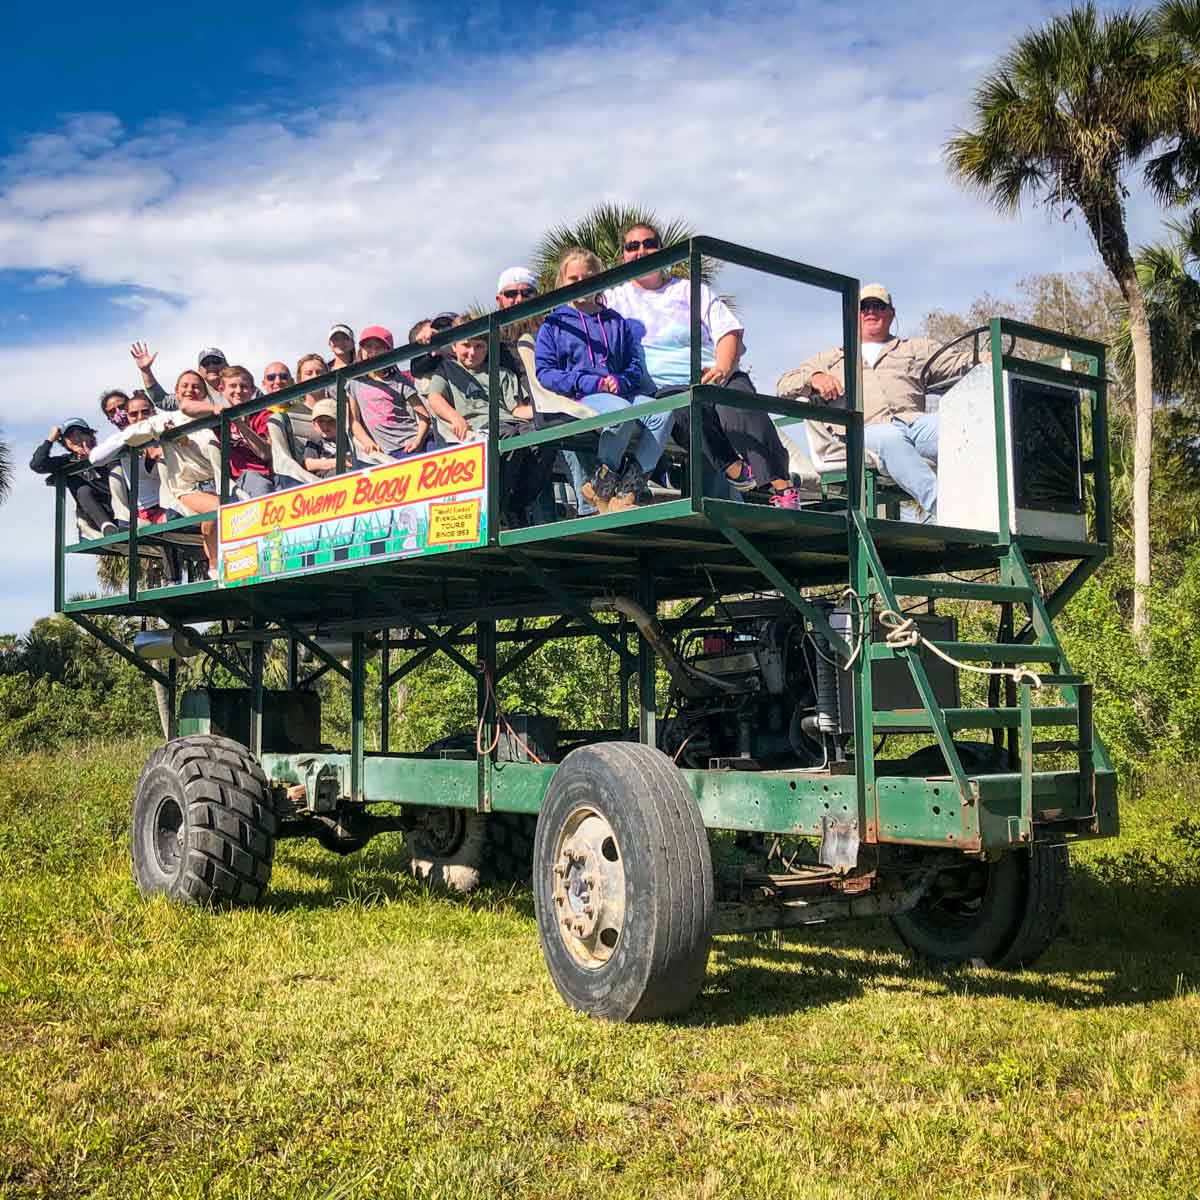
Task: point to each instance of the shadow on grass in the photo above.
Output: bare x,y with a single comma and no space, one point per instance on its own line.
1119,944
370,877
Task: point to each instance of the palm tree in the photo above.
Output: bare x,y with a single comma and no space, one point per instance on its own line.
5,471
1069,109
599,231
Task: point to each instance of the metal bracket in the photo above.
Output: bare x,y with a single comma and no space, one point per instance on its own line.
839,843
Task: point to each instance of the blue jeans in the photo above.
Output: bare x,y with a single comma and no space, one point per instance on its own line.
614,440
902,448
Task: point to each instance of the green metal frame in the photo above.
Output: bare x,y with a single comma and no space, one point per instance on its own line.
682,548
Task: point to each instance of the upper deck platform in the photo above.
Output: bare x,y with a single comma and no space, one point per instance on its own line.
421,539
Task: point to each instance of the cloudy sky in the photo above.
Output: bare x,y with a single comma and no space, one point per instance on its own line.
242,175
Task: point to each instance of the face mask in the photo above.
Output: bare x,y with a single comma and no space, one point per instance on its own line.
119,417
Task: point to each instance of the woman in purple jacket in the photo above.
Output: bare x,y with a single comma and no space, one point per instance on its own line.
589,353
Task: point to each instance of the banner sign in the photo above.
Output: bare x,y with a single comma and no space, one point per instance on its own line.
428,504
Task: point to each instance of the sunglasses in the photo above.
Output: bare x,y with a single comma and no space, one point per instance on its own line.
513,293
873,306
272,378
650,243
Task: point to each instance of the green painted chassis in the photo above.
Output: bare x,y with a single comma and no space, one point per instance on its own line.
678,550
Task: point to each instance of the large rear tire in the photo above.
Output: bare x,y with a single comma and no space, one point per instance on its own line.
623,885
1003,913
203,827
461,850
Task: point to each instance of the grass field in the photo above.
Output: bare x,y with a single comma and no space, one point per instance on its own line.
355,1037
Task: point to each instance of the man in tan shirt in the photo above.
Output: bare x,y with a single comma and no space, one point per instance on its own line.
897,429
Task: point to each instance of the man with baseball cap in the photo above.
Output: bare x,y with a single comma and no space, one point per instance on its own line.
90,488
901,435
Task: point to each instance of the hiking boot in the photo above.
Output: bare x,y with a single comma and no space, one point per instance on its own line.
788,498
600,488
629,489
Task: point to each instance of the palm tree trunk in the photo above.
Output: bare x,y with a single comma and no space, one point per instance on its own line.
1143,449
164,711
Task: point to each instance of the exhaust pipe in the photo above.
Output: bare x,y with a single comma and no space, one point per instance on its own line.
691,682
166,643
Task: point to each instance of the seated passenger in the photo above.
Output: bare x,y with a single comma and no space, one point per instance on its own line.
187,469
458,396
276,377
320,450
250,448
897,429
743,444
392,411
149,509
114,404
515,286
342,354
89,488
597,362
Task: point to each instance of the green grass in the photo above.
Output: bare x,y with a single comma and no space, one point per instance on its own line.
355,1037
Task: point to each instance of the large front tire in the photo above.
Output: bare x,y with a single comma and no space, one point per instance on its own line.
623,885
203,827
1004,913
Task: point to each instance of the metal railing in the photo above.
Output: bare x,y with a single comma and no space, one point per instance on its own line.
490,327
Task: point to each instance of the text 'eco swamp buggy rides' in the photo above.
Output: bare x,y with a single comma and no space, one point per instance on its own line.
793,645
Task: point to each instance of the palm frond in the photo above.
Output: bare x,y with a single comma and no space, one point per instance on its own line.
599,230
5,471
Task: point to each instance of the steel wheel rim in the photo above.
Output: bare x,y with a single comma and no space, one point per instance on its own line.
168,834
441,831
589,888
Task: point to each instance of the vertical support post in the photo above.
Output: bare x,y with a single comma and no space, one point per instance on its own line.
131,473
385,692
60,548
623,674
647,710
223,495
358,686
172,699
258,651
493,438
1000,416
293,664
861,680
1101,461
855,457
1087,762
695,439
485,713
1026,689
342,454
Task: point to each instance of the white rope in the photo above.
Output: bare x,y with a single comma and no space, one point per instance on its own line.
858,644
903,634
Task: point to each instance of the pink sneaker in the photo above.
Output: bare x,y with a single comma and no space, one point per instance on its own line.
788,498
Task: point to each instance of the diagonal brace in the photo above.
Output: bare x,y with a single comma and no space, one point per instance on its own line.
117,648
565,598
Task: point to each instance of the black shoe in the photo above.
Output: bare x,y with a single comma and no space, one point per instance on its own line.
630,488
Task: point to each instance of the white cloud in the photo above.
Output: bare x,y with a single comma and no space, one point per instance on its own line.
405,192
47,283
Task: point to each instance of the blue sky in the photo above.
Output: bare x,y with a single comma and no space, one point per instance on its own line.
244,175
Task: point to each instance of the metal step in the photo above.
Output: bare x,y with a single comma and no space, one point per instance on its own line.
977,718
1000,652
957,589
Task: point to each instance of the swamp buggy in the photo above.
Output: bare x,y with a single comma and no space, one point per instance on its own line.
793,644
